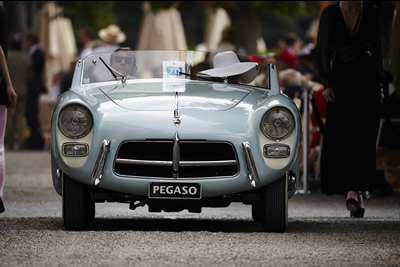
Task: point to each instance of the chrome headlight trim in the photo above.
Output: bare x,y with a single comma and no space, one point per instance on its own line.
277,123
75,121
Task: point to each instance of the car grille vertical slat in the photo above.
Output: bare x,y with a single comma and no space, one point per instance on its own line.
198,159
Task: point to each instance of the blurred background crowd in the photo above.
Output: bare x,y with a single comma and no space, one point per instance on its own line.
278,32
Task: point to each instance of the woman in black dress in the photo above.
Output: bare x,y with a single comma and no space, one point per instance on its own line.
350,63
8,97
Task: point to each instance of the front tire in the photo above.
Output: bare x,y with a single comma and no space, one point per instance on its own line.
78,208
257,211
273,208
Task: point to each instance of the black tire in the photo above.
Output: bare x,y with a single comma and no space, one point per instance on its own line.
78,208
274,206
91,210
257,211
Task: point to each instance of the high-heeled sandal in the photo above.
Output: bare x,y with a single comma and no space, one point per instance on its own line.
352,205
360,211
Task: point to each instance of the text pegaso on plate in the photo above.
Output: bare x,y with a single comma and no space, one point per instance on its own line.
175,190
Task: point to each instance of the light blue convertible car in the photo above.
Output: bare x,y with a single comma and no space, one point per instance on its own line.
175,130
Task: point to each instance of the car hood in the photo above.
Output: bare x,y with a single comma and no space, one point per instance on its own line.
161,96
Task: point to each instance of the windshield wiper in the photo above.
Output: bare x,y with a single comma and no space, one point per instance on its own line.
114,71
199,77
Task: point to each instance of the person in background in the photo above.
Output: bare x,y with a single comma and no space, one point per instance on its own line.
262,79
227,43
293,82
288,56
8,97
19,67
36,87
305,64
112,37
348,58
317,119
85,39
124,61
56,84
66,80
395,53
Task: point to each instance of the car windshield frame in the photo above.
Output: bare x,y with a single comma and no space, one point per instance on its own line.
158,64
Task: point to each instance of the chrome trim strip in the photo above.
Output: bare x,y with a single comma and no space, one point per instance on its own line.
144,162
176,156
99,166
181,163
253,175
207,163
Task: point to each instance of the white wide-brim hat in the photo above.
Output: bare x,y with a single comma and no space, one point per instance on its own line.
112,34
227,64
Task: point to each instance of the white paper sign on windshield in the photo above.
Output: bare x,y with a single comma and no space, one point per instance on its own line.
173,69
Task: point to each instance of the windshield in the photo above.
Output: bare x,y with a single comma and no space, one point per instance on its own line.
124,64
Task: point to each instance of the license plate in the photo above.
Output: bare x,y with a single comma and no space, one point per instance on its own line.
175,190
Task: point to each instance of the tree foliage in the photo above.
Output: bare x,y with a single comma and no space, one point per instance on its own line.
288,8
95,13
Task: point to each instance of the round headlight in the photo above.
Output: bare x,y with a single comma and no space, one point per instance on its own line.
278,123
75,121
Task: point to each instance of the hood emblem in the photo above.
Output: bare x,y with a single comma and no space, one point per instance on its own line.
177,116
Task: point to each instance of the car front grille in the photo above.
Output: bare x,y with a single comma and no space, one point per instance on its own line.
176,159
